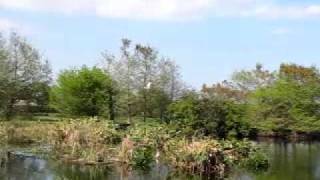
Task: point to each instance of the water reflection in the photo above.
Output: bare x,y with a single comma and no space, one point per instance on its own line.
289,161
24,167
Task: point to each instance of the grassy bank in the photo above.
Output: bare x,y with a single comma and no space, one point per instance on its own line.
92,142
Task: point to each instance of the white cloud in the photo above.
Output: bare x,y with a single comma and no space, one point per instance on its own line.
168,9
136,9
157,9
290,12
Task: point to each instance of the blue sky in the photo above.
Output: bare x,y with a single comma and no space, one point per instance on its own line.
209,39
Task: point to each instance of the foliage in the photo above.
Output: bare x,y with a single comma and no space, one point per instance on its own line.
209,116
184,113
152,133
211,157
197,156
17,132
246,154
291,104
251,80
24,77
147,82
143,156
84,92
87,139
256,161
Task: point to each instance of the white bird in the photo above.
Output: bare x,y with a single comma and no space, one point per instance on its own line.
148,86
157,156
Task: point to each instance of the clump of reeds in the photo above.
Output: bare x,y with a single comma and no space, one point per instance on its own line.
203,156
138,154
126,150
24,132
86,141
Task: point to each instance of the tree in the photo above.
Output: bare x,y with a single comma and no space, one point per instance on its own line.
290,104
143,77
209,116
185,112
25,76
146,58
224,91
4,84
248,81
123,70
85,91
299,74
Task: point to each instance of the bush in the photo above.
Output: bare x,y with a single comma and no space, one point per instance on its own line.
256,161
143,156
210,117
245,154
84,92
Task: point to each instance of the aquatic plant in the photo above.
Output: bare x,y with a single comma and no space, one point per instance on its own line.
16,132
125,151
152,133
136,154
143,156
211,157
245,153
85,140
90,141
256,161
202,156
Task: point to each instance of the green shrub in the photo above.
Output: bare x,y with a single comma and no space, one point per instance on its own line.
256,161
84,92
143,156
246,154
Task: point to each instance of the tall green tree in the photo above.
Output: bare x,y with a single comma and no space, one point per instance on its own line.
85,91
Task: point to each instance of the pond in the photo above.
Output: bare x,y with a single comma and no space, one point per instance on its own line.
289,161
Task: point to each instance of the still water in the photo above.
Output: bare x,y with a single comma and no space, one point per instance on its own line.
289,161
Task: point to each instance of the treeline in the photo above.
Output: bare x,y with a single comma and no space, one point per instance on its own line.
137,83
278,103
141,83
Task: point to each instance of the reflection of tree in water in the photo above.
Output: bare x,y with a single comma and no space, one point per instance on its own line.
78,172
23,167
3,161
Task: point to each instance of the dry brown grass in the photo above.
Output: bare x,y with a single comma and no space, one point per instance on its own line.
196,156
74,140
